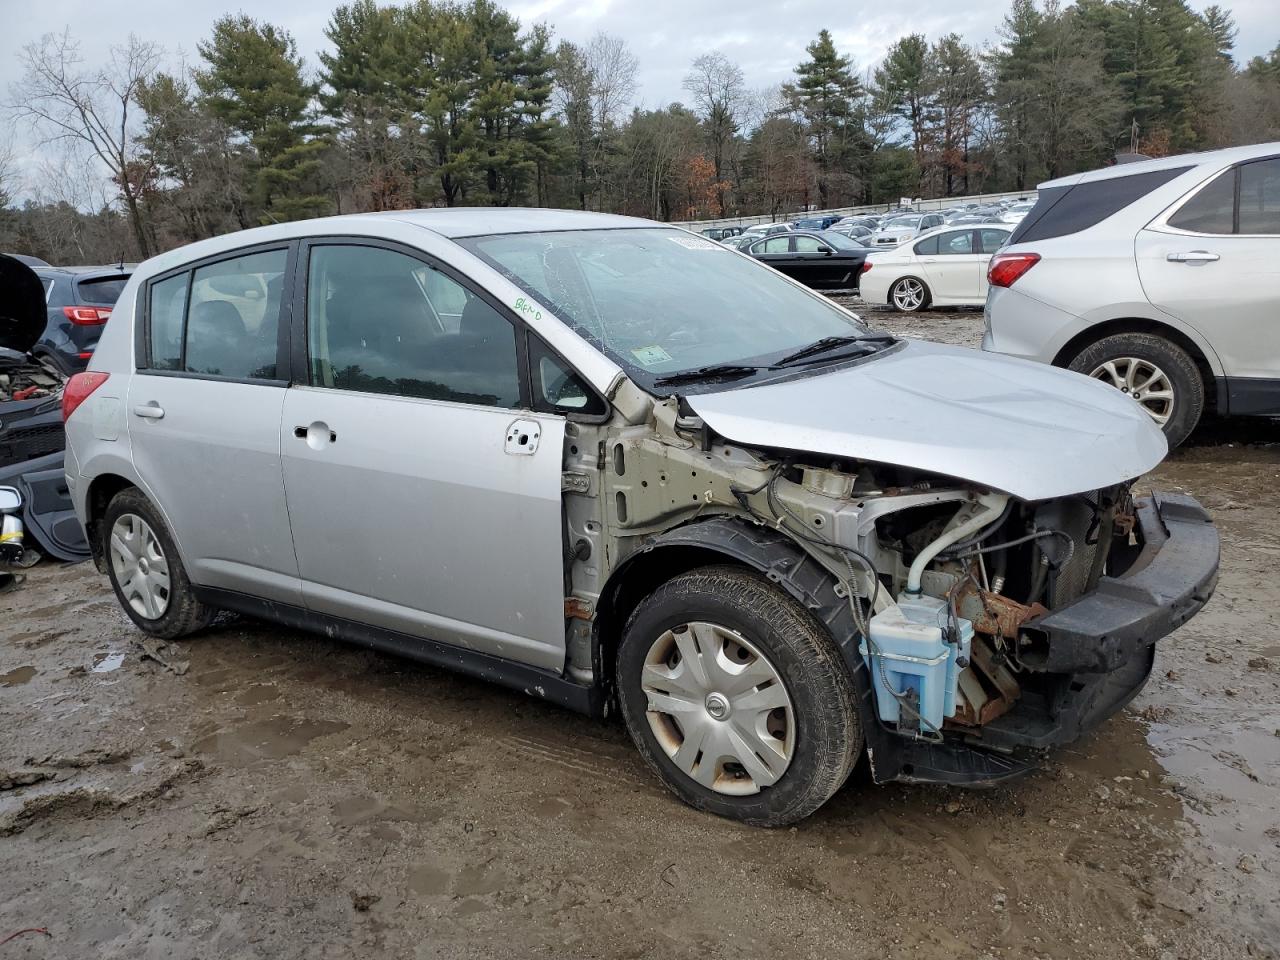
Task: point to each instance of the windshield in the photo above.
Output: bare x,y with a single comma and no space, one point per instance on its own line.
900,222
658,301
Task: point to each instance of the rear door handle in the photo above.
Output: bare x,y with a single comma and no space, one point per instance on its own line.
1193,256
316,434
149,411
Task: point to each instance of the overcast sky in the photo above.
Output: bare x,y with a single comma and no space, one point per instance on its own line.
767,37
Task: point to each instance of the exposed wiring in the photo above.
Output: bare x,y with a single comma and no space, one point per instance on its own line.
1034,535
782,513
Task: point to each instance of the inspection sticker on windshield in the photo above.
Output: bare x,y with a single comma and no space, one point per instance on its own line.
695,243
650,356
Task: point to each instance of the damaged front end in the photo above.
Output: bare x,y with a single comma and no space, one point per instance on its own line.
981,628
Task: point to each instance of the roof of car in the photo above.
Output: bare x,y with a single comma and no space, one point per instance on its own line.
115,270
1219,157
474,221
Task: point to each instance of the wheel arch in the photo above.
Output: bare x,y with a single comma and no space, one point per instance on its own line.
718,540
100,493
1214,401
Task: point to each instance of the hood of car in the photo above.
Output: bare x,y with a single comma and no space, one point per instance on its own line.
22,309
1027,429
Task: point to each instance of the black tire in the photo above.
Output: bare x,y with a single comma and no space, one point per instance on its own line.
1169,358
827,735
183,613
925,300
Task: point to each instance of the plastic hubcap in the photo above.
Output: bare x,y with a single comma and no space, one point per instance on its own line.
139,565
718,708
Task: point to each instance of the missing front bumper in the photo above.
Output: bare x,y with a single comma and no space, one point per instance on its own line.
1096,654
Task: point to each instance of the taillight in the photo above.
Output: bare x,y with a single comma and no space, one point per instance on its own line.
866,265
1005,268
87,316
78,389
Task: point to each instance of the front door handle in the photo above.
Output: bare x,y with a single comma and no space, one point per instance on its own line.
1193,256
149,411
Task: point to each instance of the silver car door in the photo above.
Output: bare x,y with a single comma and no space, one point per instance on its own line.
423,494
204,419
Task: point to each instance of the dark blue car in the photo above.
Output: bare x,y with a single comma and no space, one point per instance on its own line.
79,301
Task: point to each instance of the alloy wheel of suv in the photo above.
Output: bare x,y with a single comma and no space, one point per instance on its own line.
1143,381
909,295
1159,375
737,698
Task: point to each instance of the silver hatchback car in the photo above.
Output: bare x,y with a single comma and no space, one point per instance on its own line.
623,468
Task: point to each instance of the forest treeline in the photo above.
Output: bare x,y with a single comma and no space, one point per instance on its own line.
443,103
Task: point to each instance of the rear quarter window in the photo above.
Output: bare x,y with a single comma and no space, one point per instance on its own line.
1061,211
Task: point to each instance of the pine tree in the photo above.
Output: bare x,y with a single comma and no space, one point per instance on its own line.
827,94
254,82
902,88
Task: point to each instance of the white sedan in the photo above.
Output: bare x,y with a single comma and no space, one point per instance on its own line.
945,268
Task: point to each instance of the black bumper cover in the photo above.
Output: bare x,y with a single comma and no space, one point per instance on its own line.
1101,647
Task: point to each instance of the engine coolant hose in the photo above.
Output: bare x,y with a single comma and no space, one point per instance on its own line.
981,513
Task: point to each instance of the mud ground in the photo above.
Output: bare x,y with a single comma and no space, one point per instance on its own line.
258,792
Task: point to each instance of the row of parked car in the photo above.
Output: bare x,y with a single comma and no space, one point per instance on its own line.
1161,278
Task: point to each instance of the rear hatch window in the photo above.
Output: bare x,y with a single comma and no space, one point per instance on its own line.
1060,211
102,290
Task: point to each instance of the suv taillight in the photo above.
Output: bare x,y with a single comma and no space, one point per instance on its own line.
87,316
866,265
1005,268
78,389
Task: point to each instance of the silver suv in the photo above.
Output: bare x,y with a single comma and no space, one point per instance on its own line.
1161,278
623,468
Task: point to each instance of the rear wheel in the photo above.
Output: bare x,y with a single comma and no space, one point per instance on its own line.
145,570
909,295
1158,375
737,698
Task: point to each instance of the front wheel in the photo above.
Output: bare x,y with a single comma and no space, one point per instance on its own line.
909,295
737,698
1156,374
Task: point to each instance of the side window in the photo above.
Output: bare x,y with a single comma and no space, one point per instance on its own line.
953,244
779,244
1260,197
379,321
557,388
808,244
927,247
233,322
992,240
1212,210
168,303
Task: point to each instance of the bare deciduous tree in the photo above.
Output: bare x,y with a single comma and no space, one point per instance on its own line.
719,94
613,69
65,101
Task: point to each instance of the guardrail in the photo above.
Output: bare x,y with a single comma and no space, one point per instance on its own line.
920,206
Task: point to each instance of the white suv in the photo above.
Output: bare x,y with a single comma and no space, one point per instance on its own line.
1160,277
